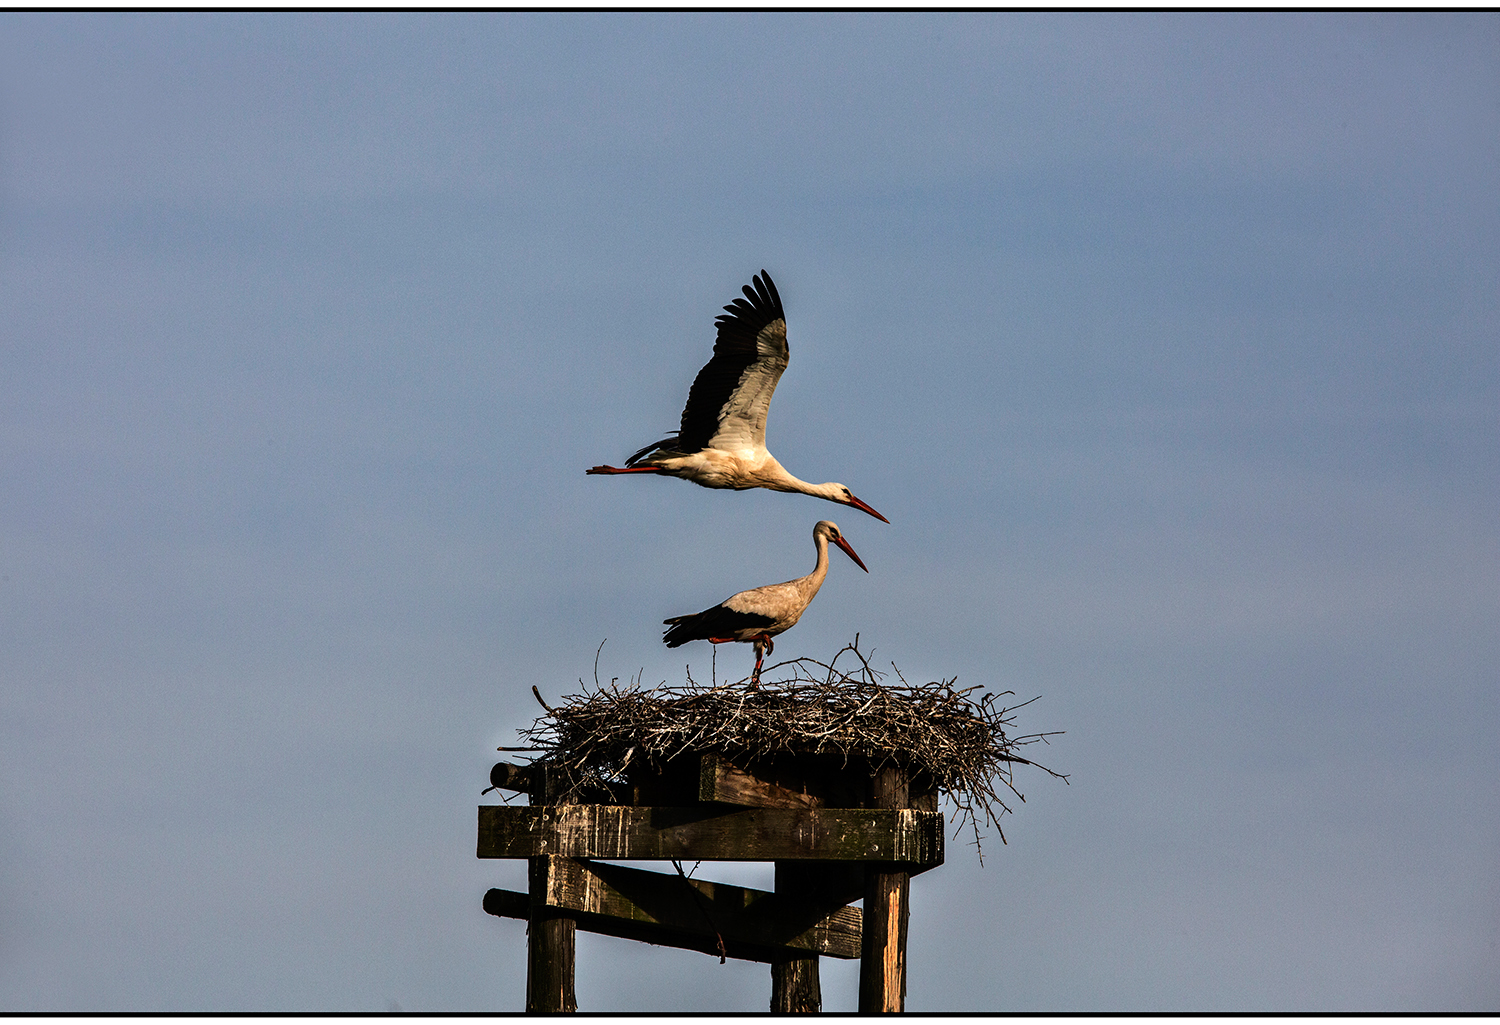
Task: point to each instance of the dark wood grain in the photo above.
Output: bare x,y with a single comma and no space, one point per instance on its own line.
719,780
507,904
667,910
550,949
795,985
706,833
509,776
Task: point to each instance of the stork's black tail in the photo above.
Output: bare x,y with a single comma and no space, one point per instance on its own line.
718,621
682,631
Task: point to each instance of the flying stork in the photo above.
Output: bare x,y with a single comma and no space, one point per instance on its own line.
721,442
758,615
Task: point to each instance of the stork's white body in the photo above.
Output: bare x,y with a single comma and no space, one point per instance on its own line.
740,469
721,442
757,615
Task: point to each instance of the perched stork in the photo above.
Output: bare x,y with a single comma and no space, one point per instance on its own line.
758,615
721,442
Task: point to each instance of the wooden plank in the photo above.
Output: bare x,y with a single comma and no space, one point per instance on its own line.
707,833
754,924
550,950
722,781
654,907
786,781
882,966
821,883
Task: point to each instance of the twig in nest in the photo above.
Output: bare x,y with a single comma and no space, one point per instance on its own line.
698,900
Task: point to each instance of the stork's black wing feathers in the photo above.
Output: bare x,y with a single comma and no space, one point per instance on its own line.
734,351
715,622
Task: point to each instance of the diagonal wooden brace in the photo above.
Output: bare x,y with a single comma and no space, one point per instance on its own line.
654,907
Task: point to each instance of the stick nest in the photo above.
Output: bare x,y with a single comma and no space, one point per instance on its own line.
963,744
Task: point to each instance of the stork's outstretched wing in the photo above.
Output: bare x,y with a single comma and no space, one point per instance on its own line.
730,397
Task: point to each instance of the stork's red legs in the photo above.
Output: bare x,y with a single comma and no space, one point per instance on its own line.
623,469
763,647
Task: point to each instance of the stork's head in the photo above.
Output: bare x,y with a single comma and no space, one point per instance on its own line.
830,530
844,496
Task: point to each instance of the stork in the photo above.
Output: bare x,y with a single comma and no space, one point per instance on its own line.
759,614
721,442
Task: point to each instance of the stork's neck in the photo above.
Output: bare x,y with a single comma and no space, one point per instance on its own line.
814,580
831,491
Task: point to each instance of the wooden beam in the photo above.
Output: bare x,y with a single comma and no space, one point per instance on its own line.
882,967
509,776
718,780
654,907
706,833
821,883
507,904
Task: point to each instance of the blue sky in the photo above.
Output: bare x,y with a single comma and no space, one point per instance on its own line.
1169,344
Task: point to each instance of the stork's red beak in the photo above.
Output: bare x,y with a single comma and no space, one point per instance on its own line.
865,508
850,551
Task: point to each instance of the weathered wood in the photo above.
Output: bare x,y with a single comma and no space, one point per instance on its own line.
550,949
506,776
882,967
805,887
809,890
783,781
653,907
744,917
706,833
507,904
719,780
547,784
768,783
882,970
927,800
795,985
668,785
836,832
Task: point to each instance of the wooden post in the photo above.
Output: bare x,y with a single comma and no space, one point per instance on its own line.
551,935
794,985
550,946
882,966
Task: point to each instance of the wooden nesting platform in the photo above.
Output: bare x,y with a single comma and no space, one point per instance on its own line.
837,830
